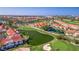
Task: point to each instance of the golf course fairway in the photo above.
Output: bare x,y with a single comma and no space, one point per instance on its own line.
36,37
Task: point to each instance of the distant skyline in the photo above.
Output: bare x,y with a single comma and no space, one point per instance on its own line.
44,11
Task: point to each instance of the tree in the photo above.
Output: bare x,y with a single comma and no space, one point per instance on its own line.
10,23
45,27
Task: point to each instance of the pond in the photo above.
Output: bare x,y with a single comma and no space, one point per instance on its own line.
51,29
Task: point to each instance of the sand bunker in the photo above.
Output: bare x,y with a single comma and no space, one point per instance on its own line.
47,47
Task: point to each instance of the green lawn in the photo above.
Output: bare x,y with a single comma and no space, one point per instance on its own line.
72,22
57,45
63,46
37,48
36,37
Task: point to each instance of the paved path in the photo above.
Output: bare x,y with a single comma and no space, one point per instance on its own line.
23,49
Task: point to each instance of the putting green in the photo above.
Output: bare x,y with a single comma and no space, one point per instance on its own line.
62,46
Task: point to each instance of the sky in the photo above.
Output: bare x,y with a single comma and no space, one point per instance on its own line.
39,11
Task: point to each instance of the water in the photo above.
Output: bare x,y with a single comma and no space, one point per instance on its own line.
50,29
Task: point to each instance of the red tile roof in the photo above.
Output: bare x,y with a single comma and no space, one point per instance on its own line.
40,24
4,40
73,26
11,31
1,27
16,37
71,31
67,25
